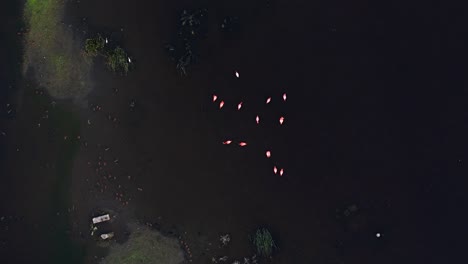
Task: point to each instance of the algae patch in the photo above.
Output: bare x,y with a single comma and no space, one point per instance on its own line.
145,246
53,52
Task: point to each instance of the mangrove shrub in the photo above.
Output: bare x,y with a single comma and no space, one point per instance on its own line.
94,46
117,60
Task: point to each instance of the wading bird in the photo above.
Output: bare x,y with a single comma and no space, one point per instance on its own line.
281,120
266,120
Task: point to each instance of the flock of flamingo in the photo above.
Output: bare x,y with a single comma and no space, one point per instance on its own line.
268,154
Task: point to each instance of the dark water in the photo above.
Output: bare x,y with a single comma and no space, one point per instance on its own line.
375,118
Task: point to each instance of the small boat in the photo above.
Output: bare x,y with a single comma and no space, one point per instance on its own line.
102,218
107,236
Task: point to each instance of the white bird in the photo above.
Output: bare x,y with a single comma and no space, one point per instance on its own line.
281,172
129,60
268,100
257,119
281,120
221,104
275,170
284,97
215,97
237,74
242,144
268,154
107,41
227,142
239,106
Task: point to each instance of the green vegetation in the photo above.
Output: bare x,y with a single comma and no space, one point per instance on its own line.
42,17
117,61
62,121
263,242
145,246
117,58
52,52
94,46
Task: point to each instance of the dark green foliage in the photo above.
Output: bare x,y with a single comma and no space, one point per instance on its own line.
263,242
94,46
117,60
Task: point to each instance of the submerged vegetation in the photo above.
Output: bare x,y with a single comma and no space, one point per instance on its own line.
185,60
191,29
191,22
263,242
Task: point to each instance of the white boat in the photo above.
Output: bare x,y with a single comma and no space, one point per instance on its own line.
107,236
102,218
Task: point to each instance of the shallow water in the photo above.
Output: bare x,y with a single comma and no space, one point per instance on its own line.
349,138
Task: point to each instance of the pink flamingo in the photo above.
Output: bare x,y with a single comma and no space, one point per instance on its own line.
268,100
281,120
242,144
227,142
284,97
221,104
215,97
275,170
268,154
257,119
239,106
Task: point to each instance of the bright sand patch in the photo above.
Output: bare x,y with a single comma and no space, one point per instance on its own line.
53,52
